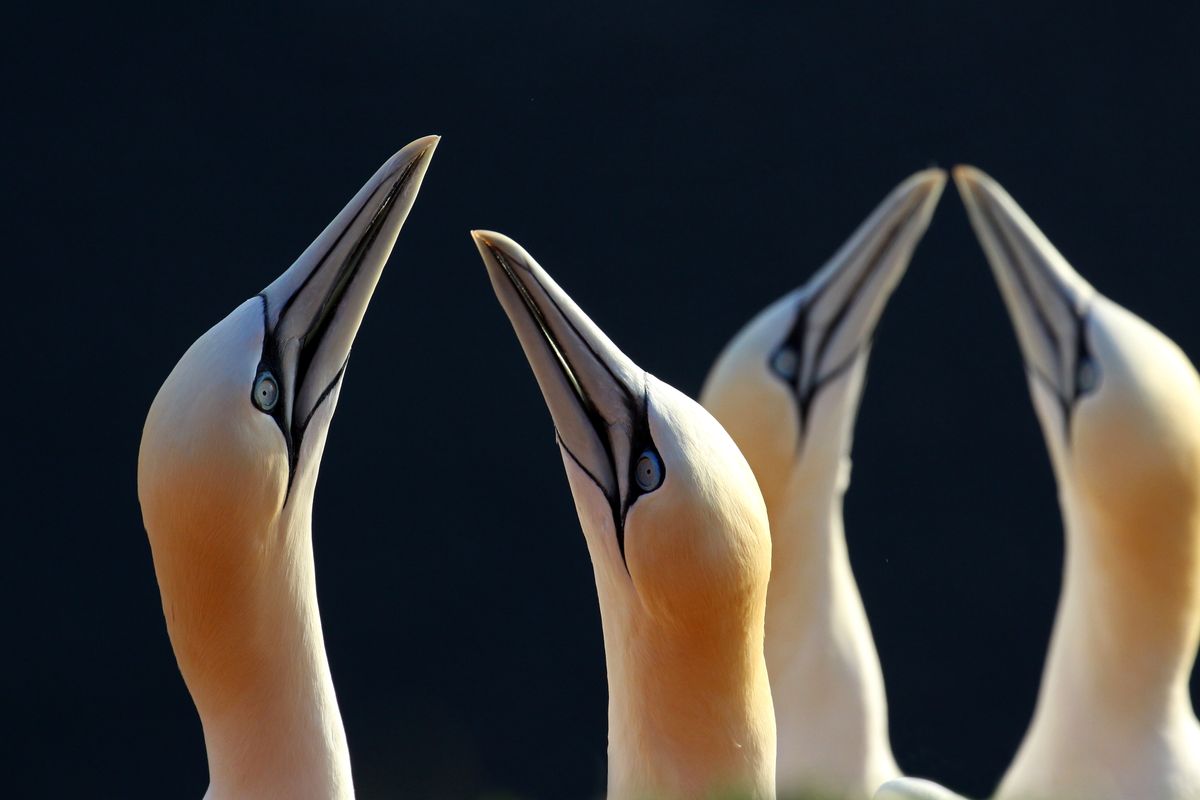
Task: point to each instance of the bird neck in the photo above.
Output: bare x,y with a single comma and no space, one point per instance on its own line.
826,679
811,579
690,711
247,635
1128,622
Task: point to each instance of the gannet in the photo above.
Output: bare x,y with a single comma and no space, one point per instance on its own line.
677,532
787,389
226,472
1119,406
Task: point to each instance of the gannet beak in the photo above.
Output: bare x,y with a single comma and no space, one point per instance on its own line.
596,395
848,295
1047,300
313,310
842,303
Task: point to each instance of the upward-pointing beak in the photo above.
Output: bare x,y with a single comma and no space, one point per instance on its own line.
313,310
596,395
1047,300
839,307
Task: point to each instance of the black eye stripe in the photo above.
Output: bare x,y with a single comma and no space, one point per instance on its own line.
269,363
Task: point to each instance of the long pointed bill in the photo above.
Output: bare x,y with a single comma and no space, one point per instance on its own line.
596,395
313,310
1046,299
840,306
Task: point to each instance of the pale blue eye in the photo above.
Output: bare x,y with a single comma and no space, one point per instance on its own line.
266,391
1087,376
785,363
649,471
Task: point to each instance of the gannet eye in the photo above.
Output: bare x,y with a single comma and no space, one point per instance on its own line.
266,391
785,364
649,471
1087,376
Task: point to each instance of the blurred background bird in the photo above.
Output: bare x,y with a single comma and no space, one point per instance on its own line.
787,389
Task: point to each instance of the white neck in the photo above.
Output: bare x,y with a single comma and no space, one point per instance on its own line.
689,716
247,635
830,705
1114,718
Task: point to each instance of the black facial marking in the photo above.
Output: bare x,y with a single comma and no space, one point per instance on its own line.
283,413
635,406
345,276
392,193
640,442
269,361
806,380
1069,389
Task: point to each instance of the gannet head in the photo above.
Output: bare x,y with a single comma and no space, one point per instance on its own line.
669,507
1119,403
677,532
787,386
233,440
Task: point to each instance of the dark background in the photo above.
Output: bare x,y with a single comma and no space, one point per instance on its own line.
676,167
